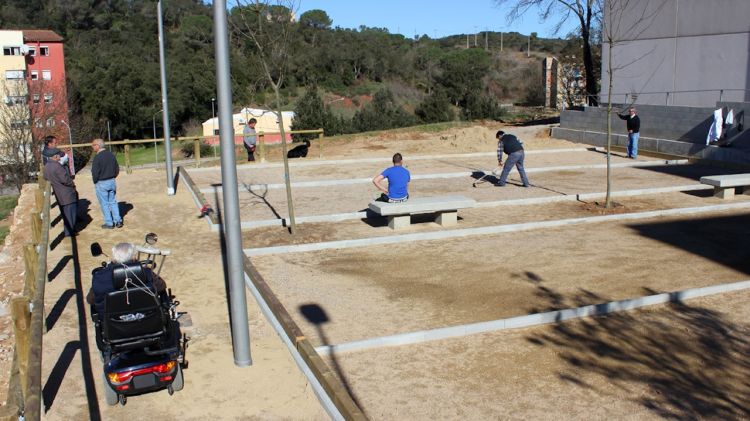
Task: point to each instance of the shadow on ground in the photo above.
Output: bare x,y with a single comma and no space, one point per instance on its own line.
679,361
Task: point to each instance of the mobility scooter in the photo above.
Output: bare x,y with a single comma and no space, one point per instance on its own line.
138,334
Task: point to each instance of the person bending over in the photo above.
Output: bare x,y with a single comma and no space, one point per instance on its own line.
102,282
398,182
513,147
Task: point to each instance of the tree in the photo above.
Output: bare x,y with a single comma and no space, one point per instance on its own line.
382,113
435,108
268,29
17,146
587,12
316,18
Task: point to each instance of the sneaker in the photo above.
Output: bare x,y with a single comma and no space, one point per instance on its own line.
500,184
107,227
527,185
118,225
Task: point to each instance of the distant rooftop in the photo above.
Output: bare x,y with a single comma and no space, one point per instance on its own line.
40,35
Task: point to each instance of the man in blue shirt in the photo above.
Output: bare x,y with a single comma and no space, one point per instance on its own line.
398,182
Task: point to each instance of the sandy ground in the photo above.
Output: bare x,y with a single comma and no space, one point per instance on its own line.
683,361
272,388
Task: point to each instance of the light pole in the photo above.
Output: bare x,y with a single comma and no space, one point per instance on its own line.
156,149
165,102
213,124
72,166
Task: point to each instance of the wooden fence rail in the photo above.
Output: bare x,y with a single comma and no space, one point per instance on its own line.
197,141
25,385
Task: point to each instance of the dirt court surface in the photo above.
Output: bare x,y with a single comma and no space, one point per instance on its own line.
644,364
681,361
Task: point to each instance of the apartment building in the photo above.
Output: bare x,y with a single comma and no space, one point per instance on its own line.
32,90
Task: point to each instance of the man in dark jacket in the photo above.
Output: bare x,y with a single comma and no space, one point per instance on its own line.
513,147
634,129
64,188
104,170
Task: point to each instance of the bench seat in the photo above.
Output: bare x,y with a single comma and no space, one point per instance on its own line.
724,184
446,208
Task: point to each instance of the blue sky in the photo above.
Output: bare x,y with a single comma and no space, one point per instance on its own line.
435,18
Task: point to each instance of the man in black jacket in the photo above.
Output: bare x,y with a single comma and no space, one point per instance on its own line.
104,170
513,147
634,129
64,188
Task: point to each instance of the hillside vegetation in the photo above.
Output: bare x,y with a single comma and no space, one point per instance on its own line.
346,80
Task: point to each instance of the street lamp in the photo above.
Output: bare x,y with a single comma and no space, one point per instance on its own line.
72,166
156,149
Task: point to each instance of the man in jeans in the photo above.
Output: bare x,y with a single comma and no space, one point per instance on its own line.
634,128
250,139
513,147
104,170
398,182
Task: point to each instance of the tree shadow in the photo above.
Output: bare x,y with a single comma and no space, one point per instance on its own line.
691,360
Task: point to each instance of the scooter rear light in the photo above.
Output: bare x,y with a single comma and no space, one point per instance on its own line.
166,378
123,387
118,378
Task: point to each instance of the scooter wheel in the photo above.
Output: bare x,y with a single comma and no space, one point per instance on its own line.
123,399
110,396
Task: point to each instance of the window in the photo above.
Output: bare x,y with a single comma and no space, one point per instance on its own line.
32,51
34,75
11,51
47,98
15,99
46,74
14,74
38,123
43,51
35,98
50,122
17,124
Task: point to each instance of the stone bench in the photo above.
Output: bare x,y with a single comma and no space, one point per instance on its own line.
724,184
446,208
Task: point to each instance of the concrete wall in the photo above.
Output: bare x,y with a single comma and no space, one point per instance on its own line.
677,45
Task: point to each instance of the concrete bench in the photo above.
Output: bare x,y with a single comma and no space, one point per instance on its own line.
724,184
446,208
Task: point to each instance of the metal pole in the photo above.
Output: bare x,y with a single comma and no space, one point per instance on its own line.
501,42
213,124
72,166
109,133
235,258
165,104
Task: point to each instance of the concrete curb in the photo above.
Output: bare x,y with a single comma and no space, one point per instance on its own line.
531,319
317,162
497,229
352,181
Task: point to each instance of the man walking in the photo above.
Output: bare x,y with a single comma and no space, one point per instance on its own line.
64,188
398,182
104,170
250,139
513,147
634,128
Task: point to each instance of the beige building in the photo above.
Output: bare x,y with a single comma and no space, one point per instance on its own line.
267,121
14,111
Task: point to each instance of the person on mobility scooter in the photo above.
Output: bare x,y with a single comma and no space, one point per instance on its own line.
136,323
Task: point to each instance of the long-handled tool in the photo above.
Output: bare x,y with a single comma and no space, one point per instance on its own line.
496,172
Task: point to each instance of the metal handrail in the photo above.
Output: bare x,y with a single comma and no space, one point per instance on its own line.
667,94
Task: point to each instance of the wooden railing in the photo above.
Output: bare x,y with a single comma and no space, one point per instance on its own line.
197,141
25,385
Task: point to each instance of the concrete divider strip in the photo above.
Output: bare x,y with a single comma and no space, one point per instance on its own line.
530,320
497,229
353,181
386,159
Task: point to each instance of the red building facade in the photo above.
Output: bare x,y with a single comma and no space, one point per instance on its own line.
45,75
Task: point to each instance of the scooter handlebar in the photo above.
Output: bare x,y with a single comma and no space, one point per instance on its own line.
153,250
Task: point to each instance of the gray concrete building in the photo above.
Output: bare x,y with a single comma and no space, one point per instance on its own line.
677,52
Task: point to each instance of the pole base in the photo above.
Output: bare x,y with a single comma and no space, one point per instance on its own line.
170,191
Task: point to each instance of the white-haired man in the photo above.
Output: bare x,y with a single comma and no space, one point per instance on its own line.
102,281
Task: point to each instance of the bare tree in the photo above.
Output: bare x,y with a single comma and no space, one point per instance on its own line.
588,14
624,20
17,158
267,25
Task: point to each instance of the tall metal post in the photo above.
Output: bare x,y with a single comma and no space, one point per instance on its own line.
165,104
231,224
